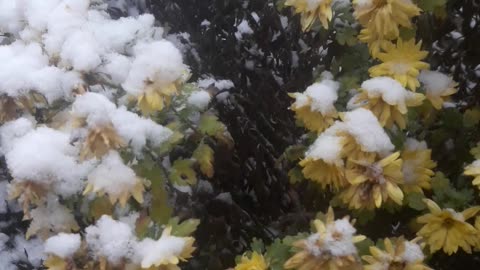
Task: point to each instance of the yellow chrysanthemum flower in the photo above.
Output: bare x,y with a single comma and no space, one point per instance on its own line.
28,193
371,185
384,17
330,248
374,42
354,150
156,97
312,10
474,170
400,255
99,141
315,107
447,229
256,262
323,162
401,62
55,263
387,99
417,166
438,87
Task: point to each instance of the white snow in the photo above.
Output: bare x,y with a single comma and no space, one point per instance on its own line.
390,90
63,245
323,96
158,62
112,175
199,99
367,131
12,130
339,238
219,84
327,148
150,251
412,253
320,97
243,28
436,83
136,130
412,144
24,67
110,239
45,156
52,217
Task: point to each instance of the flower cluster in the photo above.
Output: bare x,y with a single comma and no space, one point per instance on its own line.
91,107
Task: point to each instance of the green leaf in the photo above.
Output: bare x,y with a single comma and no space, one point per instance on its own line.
210,125
415,201
160,210
447,196
295,152
277,254
295,175
185,228
363,247
346,36
182,172
408,33
430,5
204,156
471,117
452,118
100,206
257,245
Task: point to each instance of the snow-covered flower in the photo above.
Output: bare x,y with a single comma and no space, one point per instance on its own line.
331,247
323,162
114,178
315,107
438,87
401,61
166,252
387,99
373,184
398,254
417,166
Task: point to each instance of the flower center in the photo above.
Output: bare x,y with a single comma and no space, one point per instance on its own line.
375,173
400,68
396,266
